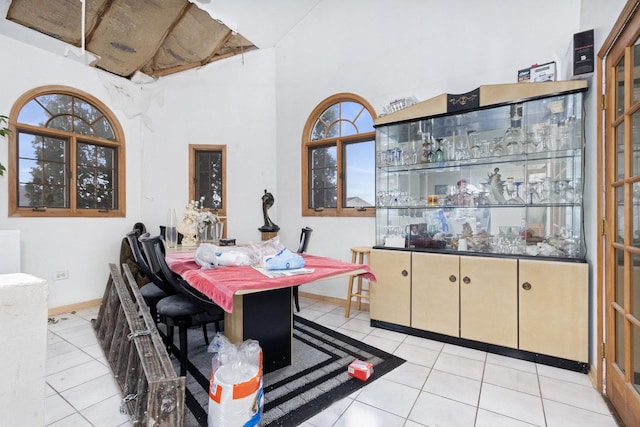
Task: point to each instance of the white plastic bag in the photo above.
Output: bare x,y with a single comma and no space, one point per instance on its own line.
235,391
209,256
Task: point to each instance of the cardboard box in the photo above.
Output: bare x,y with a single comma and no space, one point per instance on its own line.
538,73
360,370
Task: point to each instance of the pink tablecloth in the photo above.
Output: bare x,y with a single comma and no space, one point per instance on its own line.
220,284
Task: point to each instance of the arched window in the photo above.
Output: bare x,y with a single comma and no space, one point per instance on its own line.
66,156
338,158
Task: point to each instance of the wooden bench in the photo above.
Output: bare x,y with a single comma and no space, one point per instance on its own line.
153,395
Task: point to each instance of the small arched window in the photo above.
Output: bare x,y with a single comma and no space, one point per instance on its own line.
66,156
338,158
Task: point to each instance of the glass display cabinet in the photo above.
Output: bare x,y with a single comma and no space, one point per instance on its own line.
494,171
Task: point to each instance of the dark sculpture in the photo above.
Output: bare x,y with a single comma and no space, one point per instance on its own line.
267,202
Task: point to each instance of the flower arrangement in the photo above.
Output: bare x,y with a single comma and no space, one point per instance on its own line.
195,222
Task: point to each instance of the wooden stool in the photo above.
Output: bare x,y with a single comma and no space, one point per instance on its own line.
358,254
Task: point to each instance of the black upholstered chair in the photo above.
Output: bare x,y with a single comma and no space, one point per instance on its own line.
155,289
304,242
185,309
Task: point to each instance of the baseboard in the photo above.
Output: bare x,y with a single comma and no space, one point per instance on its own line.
96,302
74,307
331,300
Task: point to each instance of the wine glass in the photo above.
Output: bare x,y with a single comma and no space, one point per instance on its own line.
512,138
498,149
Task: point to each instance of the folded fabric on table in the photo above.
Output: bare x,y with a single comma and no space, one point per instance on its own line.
284,260
220,284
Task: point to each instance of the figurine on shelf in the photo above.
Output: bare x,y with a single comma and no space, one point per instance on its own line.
496,187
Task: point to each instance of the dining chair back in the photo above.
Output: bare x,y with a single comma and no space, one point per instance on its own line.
181,309
305,234
155,289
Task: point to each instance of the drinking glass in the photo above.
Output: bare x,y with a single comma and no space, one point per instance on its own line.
216,230
171,231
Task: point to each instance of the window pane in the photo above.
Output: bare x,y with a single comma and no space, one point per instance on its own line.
620,151
33,114
85,111
319,128
620,88
348,128
635,220
635,53
620,206
61,123
324,174
365,122
42,171
209,178
81,127
104,130
360,174
635,135
619,291
619,327
95,181
331,114
635,286
56,103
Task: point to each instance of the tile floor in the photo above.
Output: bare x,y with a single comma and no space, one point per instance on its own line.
439,385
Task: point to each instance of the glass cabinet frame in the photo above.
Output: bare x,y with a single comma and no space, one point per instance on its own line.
498,170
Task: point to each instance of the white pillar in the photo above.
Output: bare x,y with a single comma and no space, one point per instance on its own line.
23,336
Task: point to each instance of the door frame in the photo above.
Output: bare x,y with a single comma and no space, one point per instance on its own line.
630,13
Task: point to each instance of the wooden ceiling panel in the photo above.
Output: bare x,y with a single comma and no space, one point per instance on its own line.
61,19
158,37
191,42
130,32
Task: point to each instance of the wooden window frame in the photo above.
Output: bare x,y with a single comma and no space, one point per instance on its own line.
118,145
340,144
193,151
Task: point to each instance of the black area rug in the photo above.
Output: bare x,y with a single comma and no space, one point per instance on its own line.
316,378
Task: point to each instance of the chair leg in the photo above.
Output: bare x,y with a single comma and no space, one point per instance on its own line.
168,341
347,309
204,332
182,330
295,298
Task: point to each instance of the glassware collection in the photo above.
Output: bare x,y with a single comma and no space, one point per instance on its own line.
503,180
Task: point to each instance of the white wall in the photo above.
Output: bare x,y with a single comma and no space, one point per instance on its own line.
231,102
81,246
387,50
258,105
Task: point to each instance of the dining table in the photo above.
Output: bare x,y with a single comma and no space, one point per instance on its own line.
258,303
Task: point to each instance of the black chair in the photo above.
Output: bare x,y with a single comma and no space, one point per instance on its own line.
304,242
185,309
155,289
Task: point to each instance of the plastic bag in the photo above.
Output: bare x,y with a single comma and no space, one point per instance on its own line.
209,256
236,395
284,260
267,248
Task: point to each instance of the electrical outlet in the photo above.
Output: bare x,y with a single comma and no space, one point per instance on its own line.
61,275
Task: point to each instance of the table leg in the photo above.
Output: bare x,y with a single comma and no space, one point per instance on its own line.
268,318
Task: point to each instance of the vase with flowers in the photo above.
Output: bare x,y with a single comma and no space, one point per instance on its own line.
196,223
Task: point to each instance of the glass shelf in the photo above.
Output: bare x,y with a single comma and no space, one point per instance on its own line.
448,181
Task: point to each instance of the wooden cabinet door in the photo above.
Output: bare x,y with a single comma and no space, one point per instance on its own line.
489,300
391,292
554,308
435,293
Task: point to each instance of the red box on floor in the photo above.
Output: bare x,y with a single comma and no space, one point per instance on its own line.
360,370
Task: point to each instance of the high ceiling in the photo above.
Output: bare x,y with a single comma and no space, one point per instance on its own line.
160,37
